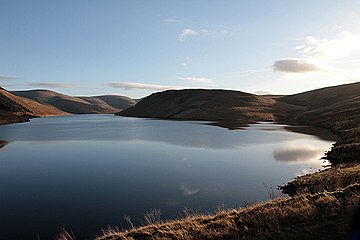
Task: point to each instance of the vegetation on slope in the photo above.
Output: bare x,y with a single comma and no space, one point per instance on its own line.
324,215
117,101
18,109
9,105
230,108
70,104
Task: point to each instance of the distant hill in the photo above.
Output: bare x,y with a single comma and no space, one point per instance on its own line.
215,105
325,106
14,108
70,104
324,97
117,101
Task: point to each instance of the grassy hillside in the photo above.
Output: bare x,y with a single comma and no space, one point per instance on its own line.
320,98
33,107
309,216
9,105
99,106
117,101
230,108
18,109
70,104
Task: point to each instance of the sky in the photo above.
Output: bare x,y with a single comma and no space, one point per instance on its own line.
134,47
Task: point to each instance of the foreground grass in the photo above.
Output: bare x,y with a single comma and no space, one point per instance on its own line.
338,176
308,216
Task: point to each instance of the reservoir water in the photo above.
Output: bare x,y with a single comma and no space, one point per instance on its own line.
86,172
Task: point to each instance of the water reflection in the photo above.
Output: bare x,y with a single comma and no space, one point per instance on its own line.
187,189
3,144
300,153
135,130
86,172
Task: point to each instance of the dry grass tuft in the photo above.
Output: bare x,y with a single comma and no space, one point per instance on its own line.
64,235
308,216
338,176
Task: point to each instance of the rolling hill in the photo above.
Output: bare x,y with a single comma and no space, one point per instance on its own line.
224,106
117,101
70,104
16,109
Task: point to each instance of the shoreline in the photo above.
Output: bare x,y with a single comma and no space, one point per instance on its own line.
308,216
339,176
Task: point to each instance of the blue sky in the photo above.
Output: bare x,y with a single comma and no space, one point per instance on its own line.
138,47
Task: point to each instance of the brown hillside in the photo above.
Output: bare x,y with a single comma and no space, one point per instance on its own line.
117,101
324,97
99,105
32,107
214,105
67,103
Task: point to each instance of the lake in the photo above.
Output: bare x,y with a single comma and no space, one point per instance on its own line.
85,172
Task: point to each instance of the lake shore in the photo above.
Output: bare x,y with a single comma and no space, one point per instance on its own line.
340,176
7,118
307,216
316,209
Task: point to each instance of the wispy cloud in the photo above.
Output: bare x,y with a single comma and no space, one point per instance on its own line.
186,34
203,80
171,20
133,85
6,78
53,85
325,49
266,92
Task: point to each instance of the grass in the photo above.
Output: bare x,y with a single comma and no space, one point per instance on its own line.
10,105
324,215
339,176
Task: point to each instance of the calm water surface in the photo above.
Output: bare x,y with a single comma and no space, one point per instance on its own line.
85,172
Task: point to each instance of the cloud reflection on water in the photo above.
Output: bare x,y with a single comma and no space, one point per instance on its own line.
292,154
187,189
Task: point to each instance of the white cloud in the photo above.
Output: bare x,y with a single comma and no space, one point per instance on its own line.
324,49
186,34
53,85
296,65
203,80
318,55
132,85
